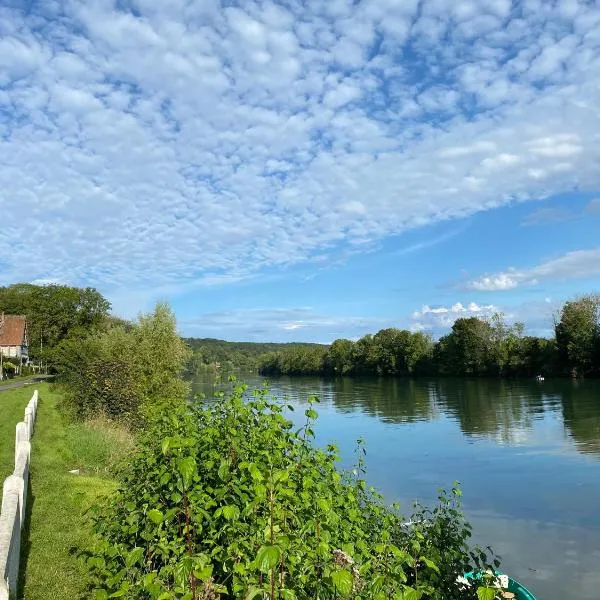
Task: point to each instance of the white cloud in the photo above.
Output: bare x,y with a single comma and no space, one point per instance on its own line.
279,324
187,143
443,317
573,265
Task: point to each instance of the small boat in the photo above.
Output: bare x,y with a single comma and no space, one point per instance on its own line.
510,587
539,378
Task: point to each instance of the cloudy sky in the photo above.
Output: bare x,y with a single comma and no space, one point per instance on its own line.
304,170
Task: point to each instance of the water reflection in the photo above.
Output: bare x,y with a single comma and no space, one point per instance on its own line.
581,415
504,411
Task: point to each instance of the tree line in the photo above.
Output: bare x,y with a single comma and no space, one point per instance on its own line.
211,354
474,347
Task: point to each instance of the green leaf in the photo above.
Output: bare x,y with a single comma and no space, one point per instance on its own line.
95,562
311,413
204,574
155,516
134,556
410,593
187,469
101,595
267,557
342,580
486,593
252,592
231,512
429,563
223,471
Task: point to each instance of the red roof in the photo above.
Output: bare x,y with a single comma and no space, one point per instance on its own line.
12,330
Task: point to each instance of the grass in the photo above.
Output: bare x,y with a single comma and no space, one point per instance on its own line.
57,529
12,409
15,379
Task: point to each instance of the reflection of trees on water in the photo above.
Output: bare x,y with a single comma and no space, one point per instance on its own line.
581,414
498,409
394,400
503,410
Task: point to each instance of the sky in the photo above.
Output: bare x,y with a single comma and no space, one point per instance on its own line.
304,170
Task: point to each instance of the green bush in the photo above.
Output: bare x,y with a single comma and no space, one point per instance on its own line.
119,371
228,500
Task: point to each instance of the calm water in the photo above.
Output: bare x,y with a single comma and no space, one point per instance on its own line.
527,455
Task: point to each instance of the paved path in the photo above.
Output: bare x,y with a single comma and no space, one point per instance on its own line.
13,385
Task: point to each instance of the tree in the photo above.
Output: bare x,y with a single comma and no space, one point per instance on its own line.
54,312
415,352
124,369
364,356
340,357
578,335
386,345
505,343
467,346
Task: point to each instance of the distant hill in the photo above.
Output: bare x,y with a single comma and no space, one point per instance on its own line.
238,355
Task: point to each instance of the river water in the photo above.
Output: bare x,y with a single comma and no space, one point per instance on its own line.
527,456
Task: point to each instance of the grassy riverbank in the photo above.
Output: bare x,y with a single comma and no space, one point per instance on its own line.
12,409
56,527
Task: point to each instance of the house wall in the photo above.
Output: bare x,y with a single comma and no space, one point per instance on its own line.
13,351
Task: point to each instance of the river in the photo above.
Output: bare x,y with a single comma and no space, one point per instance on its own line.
526,453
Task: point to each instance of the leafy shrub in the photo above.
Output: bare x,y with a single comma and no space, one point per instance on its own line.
227,500
118,371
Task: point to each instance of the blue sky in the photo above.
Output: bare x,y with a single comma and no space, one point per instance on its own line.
304,170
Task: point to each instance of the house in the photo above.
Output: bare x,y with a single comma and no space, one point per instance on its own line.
14,340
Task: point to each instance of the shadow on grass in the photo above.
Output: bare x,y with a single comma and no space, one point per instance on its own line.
25,539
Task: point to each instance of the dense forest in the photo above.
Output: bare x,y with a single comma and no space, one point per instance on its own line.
209,353
474,347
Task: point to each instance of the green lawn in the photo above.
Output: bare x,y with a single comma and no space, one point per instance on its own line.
57,529
15,379
12,409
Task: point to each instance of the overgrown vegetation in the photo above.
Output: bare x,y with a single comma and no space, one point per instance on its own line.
227,500
124,368
474,347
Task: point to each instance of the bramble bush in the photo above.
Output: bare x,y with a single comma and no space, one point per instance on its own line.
228,500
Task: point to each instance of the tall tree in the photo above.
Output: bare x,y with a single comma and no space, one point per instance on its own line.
340,357
468,346
578,335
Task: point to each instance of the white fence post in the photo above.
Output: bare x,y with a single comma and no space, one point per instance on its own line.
14,504
10,534
22,435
